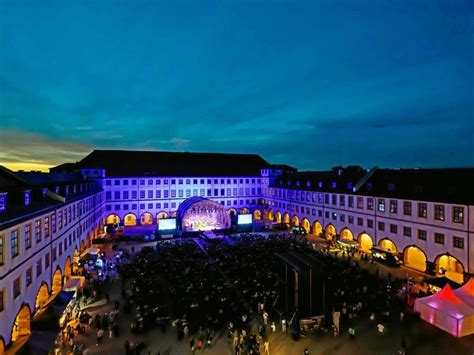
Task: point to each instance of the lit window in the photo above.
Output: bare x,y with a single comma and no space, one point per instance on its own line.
27,197
458,214
3,202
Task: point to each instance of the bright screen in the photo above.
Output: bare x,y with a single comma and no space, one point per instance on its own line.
167,224
244,219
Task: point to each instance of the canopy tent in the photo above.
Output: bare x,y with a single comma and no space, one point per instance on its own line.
447,311
90,253
440,282
74,283
466,292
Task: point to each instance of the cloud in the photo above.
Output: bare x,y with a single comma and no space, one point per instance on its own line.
35,149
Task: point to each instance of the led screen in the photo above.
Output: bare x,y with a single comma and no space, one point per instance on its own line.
167,224
244,219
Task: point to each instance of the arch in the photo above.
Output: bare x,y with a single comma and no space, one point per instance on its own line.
232,211
244,210
278,217
75,260
306,225
82,246
130,219
449,266
57,282
21,326
68,267
146,218
366,242
330,232
42,295
113,219
388,245
415,258
161,215
317,228
286,218
257,215
295,221
346,234
270,215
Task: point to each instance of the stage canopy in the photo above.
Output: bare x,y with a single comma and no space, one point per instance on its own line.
466,292
200,214
447,311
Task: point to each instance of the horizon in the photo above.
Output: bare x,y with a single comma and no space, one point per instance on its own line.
310,85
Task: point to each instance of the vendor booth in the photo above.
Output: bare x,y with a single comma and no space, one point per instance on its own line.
447,311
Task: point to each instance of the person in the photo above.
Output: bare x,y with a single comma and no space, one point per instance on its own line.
380,328
283,325
265,318
273,326
306,352
402,316
191,344
266,347
352,332
100,334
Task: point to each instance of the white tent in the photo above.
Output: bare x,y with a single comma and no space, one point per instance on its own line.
466,292
447,311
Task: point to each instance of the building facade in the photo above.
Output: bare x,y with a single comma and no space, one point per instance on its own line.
426,216
46,220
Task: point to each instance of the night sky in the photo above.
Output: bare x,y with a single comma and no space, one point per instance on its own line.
312,84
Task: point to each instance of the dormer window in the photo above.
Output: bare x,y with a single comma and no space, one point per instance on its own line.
298,183
391,187
320,184
67,190
308,183
370,186
27,196
44,192
3,201
74,189
56,189
333,185
289,183
350,185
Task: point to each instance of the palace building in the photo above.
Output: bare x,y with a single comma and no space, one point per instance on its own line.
425,216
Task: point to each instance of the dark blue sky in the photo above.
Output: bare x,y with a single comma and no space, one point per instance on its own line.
311,84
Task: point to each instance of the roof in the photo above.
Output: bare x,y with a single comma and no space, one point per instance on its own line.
451,185
155,163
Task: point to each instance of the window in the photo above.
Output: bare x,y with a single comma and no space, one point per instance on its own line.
38,230
108,195
360,202
134,195
28,236
439,212
351,201
16,287
342,200
439,238
39,267
46,227
421,234
407,208
334,199
370,223
27,197
29,276
381,226
14,242
370,204
150,182
2,253
422,210
53,222
117,194
360,221
393,206
3,202
458,242
326,199
393,228
407,231
458,214
381,205
150,193
142,194
107,183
